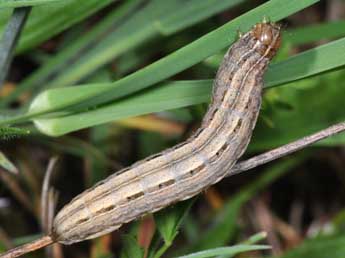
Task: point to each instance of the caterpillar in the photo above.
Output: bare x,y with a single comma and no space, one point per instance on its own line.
188,168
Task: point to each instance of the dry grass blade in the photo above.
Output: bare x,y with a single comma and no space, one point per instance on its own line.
20,250
286,149
48,203
46,193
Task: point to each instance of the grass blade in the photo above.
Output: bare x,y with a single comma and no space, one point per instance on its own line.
233,250
196,52
155,19
9,39
23,3
7,164
175,94
72,52
65,13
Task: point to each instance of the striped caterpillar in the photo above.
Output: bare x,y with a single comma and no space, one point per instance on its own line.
184,170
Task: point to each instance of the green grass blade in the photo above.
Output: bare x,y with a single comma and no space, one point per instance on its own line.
154,19
314,61
71,52
23,3
116,34
174,94
250,241
9,39
192,12
7,164
196,52
233,250
65,13
315,32
295,37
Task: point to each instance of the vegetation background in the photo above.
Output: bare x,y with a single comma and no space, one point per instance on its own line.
102,84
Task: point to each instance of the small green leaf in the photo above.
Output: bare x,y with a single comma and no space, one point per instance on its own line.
169,220
130,248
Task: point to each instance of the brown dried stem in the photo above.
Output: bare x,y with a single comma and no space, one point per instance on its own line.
48,202
32,246
45,200
286,149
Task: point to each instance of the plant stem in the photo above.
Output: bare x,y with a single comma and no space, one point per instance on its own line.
286,149
29,247
161,250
